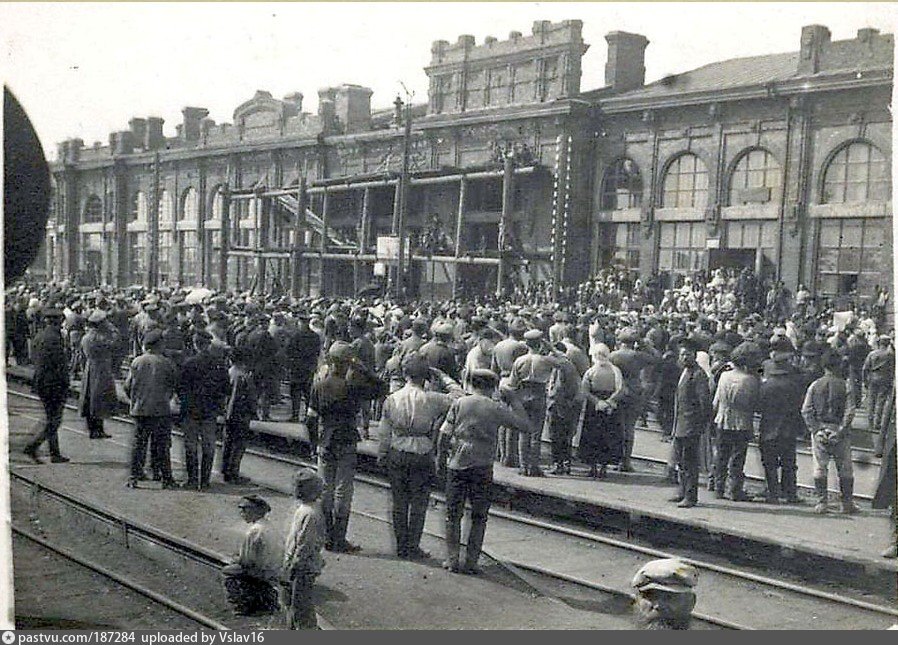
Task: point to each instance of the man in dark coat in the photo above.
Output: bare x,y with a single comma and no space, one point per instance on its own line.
203,388
302,351
692,414
879,378
265,368
631,361
51,384
780,398
98,400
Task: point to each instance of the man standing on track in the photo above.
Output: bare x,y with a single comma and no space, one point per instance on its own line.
467,442
407,434
51,383
150,387
203,389
340,388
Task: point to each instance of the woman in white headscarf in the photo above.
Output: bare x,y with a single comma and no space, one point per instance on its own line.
601,434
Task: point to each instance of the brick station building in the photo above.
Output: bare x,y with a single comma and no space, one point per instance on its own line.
779,162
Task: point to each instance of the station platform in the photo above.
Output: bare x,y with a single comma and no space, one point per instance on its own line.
636,504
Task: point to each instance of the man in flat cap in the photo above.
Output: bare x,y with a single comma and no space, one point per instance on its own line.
630,360
203,389
302,551
691,418
150,387
665,594
439,352
98,400
250,579
50,383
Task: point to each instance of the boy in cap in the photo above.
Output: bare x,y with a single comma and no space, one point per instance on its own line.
664,594
302,552
250,579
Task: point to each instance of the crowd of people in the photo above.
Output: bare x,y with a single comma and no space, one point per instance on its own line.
459,386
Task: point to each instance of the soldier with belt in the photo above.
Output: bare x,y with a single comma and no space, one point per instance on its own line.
51,383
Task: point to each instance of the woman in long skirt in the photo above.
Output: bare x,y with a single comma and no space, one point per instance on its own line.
601,434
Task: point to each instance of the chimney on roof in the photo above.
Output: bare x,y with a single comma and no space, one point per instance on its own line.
154,138
352,104
814,38
295,99
867,34
193,116
138,128
625,69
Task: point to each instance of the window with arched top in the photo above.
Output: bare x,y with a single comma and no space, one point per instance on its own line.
756,178
139,207
685,183
621,186
857,172
189,206
165,207
93,210
217,208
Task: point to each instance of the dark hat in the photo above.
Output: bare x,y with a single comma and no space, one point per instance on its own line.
306,483
745,353
490,334
720,347
811,349
340,350
152,338
201,336
53,312
254,501
415,366
628,335
688,342
483,377
517,325
782,345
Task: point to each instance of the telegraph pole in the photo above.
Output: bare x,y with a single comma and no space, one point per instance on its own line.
403,193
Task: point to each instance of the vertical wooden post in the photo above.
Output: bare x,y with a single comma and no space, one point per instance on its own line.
507,188
296,273
224,237
459,225
322,242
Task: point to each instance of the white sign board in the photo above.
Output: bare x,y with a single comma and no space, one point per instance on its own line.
380,269
388,248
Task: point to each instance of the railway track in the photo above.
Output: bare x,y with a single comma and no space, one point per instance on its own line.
792,603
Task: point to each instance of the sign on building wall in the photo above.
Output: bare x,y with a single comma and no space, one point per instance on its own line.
388,248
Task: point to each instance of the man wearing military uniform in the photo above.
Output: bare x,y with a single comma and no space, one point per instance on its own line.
51,384
407,435
466,448
438,352
98,400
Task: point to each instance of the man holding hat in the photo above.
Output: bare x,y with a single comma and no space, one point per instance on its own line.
250,579
98,400
407,436
50,383
150,387
665,594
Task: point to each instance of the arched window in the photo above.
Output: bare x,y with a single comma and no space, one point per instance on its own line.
621,186
685,183
93,210
217,205
165,207
756,179
139,207
189,207
858,172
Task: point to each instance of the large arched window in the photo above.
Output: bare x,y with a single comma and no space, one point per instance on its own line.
165,207
139,207
756,179
189,208
217,205
93,210
621,186
857,172
685,183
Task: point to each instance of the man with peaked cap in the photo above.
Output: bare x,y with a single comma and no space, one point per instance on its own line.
529,380
339,389
407,442
780,397
50,383
630,361
692,407
439,352
203,389
150,386
303,351
505,353
250,579
665,594
480,356
466,449
98,400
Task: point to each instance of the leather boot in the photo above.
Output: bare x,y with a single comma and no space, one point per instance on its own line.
846,485
822,495
475,545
